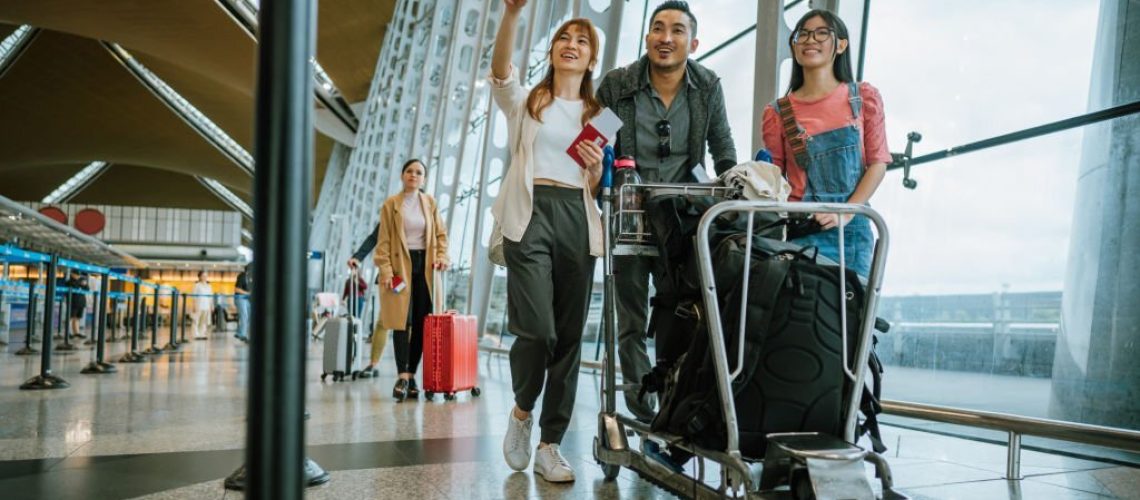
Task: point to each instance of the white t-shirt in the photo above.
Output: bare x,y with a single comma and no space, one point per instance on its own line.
561,124
415,226
203,303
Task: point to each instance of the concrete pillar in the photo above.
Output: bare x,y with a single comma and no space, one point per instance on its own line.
1096,373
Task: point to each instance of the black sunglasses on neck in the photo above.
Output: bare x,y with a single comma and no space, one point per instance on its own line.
664,139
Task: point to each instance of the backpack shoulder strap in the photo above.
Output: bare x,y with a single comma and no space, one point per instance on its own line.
771,281
792,131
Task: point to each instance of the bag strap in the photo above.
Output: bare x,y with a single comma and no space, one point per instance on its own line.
770,284
792,132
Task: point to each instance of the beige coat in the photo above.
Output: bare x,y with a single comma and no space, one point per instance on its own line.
393,259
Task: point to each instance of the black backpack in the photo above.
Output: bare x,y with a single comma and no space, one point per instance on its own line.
792,378
675,316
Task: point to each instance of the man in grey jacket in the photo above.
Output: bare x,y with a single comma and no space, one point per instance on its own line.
671,107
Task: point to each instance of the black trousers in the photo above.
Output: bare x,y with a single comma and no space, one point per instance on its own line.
410,348
549,275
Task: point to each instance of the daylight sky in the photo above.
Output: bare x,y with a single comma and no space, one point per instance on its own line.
956,72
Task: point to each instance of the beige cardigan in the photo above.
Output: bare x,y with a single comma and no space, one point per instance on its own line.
513,208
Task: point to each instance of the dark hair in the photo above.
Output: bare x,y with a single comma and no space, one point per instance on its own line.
410,162
542,95
841,64
677,5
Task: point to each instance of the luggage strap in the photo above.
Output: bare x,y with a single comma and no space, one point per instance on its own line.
792,132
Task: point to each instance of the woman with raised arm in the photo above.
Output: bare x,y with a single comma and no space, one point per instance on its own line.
552,232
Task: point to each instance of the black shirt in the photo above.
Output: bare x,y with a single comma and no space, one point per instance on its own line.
243,282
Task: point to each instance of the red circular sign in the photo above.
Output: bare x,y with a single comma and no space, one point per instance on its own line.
55,214
90,221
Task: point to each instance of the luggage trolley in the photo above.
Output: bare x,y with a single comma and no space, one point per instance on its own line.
812,464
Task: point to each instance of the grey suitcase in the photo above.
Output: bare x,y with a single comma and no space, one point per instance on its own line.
343,341
342,348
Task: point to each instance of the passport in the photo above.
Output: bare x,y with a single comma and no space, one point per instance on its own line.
601,130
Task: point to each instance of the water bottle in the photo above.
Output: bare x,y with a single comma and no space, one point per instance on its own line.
631,221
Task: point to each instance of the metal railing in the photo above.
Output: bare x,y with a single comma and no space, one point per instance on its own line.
1017,426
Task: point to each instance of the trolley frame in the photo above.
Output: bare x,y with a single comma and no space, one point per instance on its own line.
825,456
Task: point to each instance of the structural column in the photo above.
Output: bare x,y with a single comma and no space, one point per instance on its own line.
276,467
1096,378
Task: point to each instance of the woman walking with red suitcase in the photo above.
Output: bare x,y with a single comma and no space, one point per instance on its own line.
411,247
551,231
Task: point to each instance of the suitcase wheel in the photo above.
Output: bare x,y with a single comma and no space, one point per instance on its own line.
449,396
475,391
428,395
610,471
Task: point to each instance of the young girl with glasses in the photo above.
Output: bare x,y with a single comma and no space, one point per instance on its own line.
829,136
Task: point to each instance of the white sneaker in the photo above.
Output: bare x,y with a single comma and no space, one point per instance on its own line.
516,444
551,466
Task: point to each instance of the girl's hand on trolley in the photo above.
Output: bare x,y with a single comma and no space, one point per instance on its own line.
831,221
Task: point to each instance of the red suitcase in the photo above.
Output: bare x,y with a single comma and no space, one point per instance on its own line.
451,355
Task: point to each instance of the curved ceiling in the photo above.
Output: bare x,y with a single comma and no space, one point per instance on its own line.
34,183
66,101
165,189
194,34
349,36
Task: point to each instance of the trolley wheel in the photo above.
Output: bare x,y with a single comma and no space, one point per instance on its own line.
475,391
449,396
801,485
610,471
428,395
355,374
323,376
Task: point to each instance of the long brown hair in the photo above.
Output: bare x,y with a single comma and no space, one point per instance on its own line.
541,96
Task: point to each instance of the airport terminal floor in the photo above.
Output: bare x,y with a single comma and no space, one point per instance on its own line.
173,427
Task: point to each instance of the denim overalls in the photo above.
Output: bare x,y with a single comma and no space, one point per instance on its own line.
836,165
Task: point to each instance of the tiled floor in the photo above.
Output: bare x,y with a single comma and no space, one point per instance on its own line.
173,427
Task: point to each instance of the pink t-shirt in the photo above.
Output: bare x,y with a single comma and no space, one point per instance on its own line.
828,113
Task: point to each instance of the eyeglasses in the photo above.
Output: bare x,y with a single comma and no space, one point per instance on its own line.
819,34
664,139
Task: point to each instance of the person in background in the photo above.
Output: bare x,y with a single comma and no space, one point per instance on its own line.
241,300
361,291
78,283
203,295
411,248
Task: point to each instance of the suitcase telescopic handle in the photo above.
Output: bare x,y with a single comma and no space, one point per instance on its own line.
438,294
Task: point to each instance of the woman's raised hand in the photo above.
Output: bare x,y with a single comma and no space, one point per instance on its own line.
505,39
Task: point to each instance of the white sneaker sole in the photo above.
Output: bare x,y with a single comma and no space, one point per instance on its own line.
550,480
